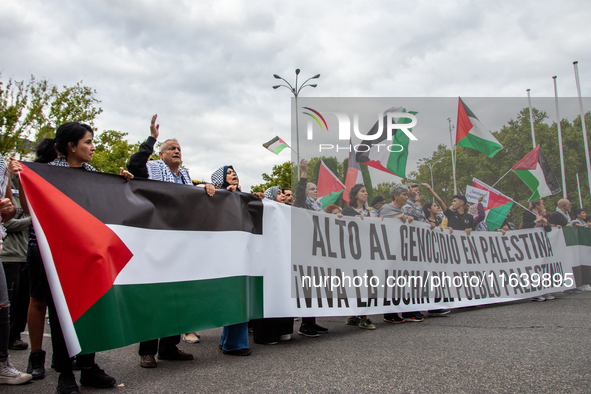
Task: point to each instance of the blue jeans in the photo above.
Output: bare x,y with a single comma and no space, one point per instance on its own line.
235,337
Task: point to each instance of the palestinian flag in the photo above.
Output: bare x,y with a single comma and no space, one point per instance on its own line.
470,133
134,261
534,170
276,145
498,205
387,157
354,175
329,186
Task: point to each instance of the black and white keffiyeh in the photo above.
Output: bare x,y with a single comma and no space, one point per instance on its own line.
218,178
271,193
62,162
159,171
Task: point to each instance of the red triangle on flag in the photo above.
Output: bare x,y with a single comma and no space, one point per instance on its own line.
464,122
87,254
529,162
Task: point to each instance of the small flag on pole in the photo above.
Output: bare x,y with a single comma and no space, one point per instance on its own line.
472,134
276,145
497,207
534,170
354,175
329,186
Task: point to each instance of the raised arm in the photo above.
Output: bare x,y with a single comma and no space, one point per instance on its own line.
437,198
137,162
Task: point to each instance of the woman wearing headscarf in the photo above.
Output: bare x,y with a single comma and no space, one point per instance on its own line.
270,331
307,198
74,142
234,340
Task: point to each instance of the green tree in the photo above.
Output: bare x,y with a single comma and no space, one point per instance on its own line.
112,151
34,109
283,175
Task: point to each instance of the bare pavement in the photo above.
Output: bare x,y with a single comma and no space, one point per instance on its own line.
518,347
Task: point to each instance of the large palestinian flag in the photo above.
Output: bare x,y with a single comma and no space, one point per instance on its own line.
534,170
385,155
470,132
133,261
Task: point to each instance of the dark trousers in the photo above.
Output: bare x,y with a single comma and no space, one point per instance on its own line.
166,345
17,282
63,362
270,329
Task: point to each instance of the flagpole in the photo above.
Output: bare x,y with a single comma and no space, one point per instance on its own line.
560,139
509,198
453,161
501,178
579,188
531,119
576,65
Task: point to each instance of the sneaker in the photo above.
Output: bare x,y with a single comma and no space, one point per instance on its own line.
148,361
439,312
36,365
585,288
191,337
366,324
549,297
66,384
285,337
18,344
539,299
395,320
415,319
238,352
308,331
320,329
177,355
10,375
96,377
353,321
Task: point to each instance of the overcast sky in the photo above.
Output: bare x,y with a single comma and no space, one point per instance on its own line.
205,67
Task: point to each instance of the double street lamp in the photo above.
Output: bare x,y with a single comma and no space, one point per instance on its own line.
430,163
295,90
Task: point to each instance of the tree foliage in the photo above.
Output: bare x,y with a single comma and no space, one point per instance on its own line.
281,176
34,109
112,151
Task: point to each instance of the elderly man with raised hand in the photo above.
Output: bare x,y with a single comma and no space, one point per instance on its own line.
167,169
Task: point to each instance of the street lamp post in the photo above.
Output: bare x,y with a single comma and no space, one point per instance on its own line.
295,90
430,163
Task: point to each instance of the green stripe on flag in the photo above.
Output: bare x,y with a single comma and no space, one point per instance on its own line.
574,236
496,216
531,181
279,149
397,160
158,310
330,198
487,147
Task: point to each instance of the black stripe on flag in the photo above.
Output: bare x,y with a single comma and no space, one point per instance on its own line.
155,205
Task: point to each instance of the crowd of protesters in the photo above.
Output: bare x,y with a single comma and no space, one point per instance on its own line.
25,293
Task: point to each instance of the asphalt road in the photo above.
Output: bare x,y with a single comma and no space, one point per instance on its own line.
519,347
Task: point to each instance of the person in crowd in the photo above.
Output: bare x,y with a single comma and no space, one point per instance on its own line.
588,221
74,142
8,374
581,217
533,218
413,208
37,280
334,209
358,207
457,215
560,217
167,169
14,256
234,340
269,331
376,203
288,195
307,198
